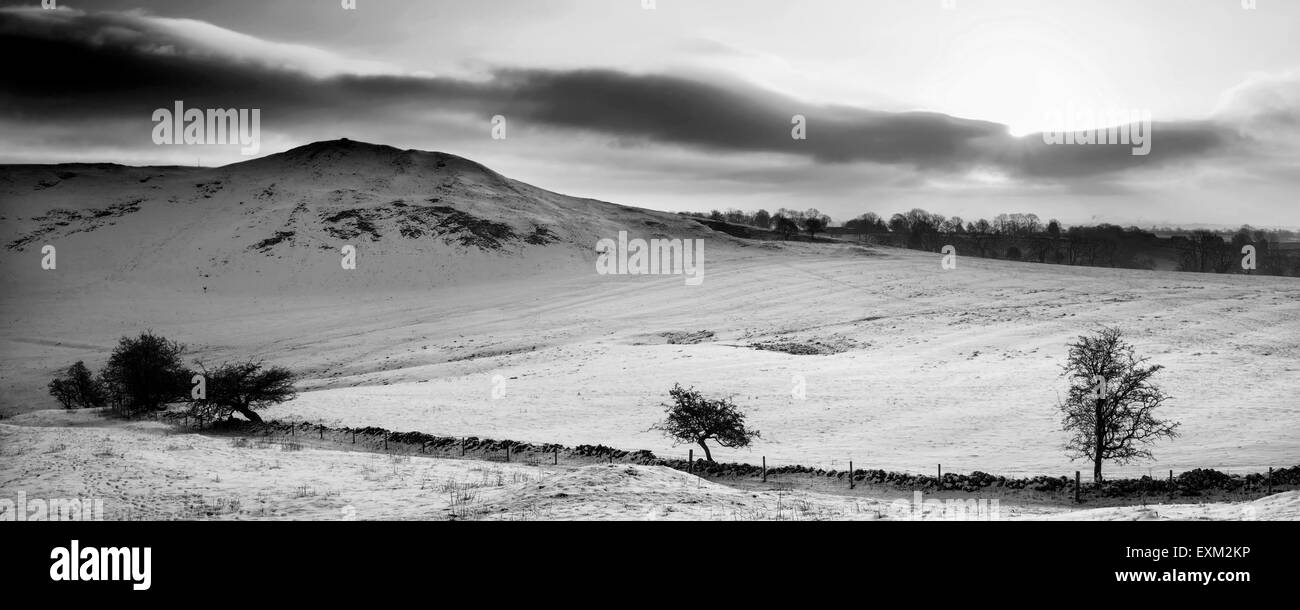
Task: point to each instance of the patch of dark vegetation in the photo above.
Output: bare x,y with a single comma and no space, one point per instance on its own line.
117,209
677,337
494,353
86,221
415,221
541,236
352,224
279,236
468,230
208,189
805,348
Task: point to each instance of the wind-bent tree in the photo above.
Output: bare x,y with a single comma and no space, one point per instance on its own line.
146,373
1109,411
693,418
242,388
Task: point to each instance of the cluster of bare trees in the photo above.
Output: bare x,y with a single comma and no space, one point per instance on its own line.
147,373
1207,251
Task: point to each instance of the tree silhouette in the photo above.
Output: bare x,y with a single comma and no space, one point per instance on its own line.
243,387
695,419
1109,408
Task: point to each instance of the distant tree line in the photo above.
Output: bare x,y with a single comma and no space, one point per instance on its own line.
1026,237
147,373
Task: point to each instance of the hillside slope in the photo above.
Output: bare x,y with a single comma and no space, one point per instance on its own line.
276,224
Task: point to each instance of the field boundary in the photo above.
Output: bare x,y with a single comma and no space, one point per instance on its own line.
1191,486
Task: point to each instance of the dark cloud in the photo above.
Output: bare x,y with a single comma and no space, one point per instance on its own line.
71,67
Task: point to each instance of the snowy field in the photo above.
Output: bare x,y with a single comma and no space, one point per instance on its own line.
921,366
148,471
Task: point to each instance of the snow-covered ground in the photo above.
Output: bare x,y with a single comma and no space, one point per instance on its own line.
147,470
960,368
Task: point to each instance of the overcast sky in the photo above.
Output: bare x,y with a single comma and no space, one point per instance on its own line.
909,103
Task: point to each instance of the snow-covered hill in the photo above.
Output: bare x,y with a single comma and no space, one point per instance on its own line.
277,224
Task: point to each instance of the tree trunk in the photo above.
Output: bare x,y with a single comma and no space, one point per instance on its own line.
707,456
1098,431
249,414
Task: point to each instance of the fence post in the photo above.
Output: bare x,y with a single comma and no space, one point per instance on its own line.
1076,487
354,437
557,456
1270,480
690,461
940,476
462,447
322,433
852,484
765,469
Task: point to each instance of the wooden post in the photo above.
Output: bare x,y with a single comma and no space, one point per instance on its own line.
354,437
940,476
1076,487
462,447
852,484
322,433
293,430
1270,480
690,461
557,456
765,469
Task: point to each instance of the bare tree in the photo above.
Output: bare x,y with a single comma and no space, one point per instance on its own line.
695,419
1109,409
